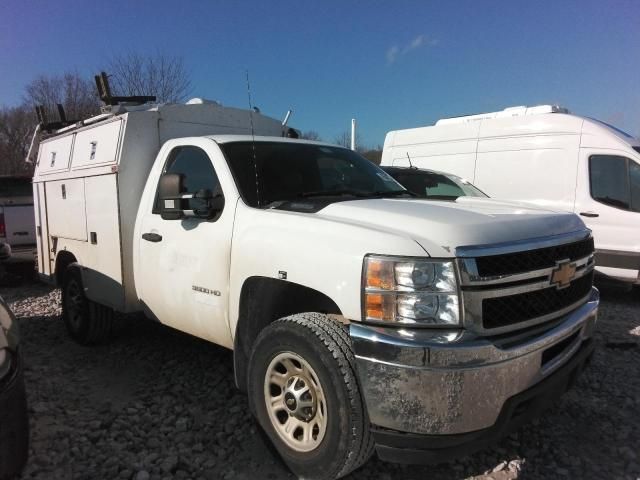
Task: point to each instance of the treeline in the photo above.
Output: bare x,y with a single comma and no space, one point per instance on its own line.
130,74
373,154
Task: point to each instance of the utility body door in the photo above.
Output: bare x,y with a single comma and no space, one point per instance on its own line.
182,269
608,201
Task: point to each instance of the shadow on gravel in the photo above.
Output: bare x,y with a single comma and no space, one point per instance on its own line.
162,402
13,274
624,303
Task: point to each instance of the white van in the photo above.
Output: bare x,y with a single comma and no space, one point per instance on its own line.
546,156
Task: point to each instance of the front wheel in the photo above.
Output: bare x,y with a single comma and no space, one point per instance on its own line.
304,392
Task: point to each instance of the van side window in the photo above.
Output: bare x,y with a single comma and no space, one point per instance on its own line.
198,171
615,181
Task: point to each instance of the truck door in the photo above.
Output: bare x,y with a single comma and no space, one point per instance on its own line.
183,265
608,201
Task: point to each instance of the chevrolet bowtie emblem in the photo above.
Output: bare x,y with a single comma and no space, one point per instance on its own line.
562,275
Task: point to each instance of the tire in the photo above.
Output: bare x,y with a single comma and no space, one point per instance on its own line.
87,322
323,433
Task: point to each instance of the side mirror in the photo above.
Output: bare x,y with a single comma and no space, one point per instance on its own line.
206,204
216,205
170,194
175,204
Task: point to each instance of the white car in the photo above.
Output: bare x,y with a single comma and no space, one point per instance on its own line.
433,185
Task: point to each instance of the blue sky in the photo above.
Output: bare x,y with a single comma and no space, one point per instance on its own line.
389,64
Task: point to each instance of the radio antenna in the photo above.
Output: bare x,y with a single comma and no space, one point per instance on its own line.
409,158
253,139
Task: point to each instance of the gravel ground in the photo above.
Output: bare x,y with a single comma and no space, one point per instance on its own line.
156,403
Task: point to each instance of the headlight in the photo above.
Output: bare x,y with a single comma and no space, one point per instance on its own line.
400,290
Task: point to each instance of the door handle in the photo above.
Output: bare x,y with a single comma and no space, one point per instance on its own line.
152,237
589,214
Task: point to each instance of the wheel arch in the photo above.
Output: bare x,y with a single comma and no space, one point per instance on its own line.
264,300
64,260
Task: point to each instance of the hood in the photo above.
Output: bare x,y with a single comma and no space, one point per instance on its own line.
440,226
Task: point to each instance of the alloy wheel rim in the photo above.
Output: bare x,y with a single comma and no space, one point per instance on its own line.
295,402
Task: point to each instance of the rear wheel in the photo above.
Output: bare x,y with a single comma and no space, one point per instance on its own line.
87,322
304,393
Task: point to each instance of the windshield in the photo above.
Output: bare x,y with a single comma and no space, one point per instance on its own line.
283,172
434,186
15,187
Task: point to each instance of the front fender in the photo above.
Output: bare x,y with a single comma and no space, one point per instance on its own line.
323,254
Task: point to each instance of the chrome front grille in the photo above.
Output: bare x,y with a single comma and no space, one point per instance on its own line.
519,262
503,311
501,297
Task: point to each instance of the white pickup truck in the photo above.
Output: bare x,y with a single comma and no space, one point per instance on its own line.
361,318
17,229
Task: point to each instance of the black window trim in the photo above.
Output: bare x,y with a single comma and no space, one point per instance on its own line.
154,209
233,174
626,163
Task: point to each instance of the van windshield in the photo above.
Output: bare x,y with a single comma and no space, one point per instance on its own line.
304,176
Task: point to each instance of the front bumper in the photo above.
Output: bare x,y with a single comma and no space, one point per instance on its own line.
450,387
14,424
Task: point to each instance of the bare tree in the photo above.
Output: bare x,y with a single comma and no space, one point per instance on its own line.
159,75
374,155
311,135
77,95
344,139
16,127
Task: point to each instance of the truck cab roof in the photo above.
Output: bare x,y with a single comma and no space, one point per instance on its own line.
221,139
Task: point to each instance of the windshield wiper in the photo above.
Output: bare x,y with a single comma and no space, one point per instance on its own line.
393,193
336,193
332,193
339,193
274,204
444,198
